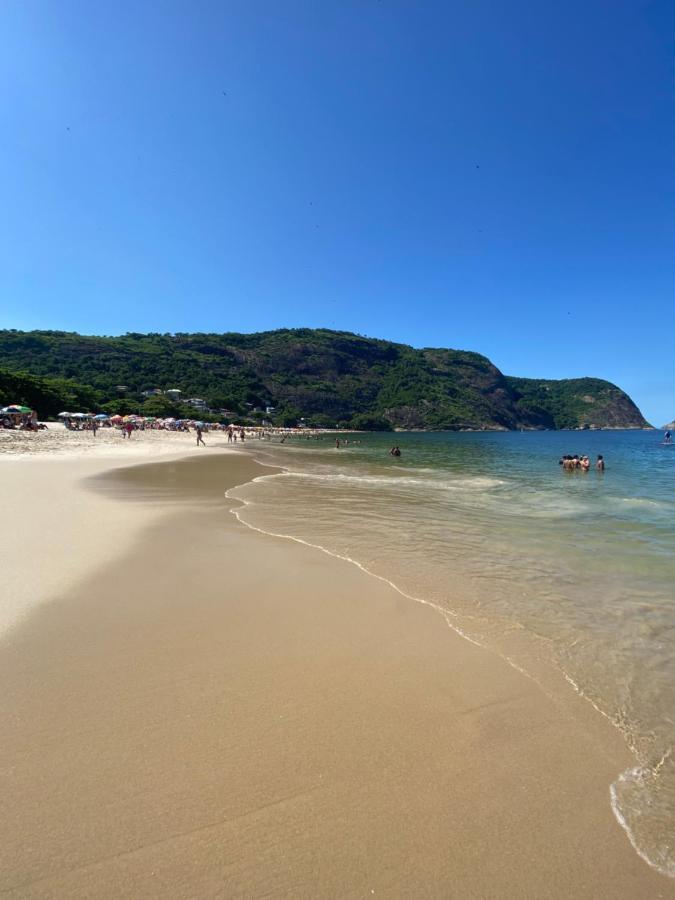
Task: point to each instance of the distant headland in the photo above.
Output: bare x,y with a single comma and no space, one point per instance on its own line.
318,377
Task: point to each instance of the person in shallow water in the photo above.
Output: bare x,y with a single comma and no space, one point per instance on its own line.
581,463
395,451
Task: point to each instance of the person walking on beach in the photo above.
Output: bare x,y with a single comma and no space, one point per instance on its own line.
200,439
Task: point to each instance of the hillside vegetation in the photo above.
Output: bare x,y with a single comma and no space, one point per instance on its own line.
49,396
327,377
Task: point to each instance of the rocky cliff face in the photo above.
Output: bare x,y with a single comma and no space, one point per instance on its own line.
322,375
577,403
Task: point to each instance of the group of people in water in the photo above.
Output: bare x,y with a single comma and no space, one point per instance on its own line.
580,463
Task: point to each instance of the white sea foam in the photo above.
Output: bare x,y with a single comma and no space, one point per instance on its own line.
454,484
638,778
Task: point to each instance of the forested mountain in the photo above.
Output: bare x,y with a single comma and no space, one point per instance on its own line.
327,377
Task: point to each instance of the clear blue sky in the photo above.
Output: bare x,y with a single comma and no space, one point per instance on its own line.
495,176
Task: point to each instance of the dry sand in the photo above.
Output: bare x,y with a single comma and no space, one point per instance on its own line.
211,712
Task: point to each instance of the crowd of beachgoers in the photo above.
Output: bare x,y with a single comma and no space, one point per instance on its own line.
576,463
21,433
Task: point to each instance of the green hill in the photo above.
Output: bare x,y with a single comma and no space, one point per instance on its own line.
49,396
325,376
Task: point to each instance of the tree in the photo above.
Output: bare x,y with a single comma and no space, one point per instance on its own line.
162,408
365,422
321,420
121,407
287,418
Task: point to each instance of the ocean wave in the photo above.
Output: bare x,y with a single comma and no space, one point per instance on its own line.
454,484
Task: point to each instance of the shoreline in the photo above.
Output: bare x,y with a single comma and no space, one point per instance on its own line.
339,654
554,681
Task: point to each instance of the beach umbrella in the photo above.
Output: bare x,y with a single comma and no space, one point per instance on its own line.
80,416
102,416
15,408
65,415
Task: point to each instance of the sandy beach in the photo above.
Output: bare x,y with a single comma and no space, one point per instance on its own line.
194,709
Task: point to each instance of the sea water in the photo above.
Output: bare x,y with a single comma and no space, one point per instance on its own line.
572,570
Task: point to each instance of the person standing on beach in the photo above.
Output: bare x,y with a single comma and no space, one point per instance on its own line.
200,439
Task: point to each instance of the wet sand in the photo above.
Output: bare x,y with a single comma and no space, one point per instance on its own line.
218,713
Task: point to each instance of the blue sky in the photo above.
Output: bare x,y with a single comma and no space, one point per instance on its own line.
494,176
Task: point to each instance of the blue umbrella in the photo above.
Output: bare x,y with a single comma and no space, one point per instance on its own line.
101,416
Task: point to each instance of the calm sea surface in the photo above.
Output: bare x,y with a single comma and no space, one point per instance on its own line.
570,571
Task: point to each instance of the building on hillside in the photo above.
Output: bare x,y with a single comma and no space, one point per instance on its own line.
153,392
197,403
173,393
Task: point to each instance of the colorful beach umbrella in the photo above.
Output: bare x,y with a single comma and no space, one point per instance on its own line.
102,416
15,408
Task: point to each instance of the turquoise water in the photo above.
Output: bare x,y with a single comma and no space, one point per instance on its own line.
570,571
